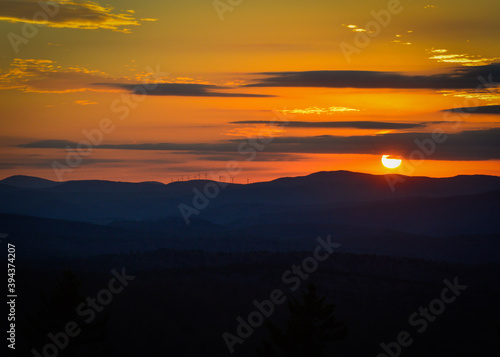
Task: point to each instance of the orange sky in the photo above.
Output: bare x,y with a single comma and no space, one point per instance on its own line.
354,80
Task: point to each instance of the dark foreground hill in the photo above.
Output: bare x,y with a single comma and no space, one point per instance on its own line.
180,303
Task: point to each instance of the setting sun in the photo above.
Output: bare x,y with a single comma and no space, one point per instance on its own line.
390,162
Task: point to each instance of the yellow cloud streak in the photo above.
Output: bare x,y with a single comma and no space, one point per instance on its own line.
77,15
465,59
318,110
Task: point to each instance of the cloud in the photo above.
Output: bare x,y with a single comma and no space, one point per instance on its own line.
441,55
257,129
49,144
87,15
63,144
401,38
487,109
318,110
180,89
262,157
340,124
85,102
466,145
458,78
354,28
46,76
43,163
489,94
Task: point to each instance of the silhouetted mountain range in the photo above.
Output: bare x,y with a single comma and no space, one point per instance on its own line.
453,219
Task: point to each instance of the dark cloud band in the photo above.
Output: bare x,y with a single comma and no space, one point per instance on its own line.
340,124
180,89
459,78
487,109
466,145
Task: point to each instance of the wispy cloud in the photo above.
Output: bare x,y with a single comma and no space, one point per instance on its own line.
402,38
464,146
354,28
46,76
340,124
24,162
87,15
491,94
256,130
486,109
399,38
48,144
458,78
85,102
228,156
465,59
319,110
181,89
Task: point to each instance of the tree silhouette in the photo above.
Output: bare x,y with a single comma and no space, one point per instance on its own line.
311,326
52,315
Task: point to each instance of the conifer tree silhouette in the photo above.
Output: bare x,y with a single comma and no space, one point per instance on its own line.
54,312
311,326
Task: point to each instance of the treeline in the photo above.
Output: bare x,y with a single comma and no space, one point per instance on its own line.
182,302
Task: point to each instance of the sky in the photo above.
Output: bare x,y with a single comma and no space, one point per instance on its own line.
176,90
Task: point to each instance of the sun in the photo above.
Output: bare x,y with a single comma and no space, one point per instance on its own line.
390,161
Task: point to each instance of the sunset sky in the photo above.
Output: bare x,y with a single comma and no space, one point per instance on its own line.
164,90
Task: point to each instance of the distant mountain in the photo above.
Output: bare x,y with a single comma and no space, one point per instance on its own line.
28,182
434,218
352,186
105,201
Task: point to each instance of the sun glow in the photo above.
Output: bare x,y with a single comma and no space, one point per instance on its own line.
390,161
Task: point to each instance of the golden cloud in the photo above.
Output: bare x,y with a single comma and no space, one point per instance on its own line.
256,131
354,28
67,14
442,55
46,76
400,39
84,102
318,110
489,95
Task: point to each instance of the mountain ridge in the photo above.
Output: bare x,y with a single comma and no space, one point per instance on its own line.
419,204
16,179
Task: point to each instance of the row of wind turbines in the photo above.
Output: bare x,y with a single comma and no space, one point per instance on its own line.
199,177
